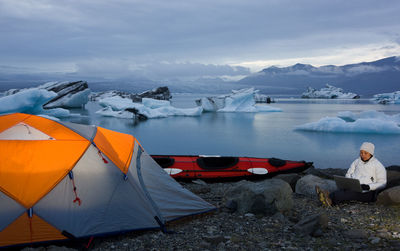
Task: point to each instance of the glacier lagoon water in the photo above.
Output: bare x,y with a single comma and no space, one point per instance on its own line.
268,134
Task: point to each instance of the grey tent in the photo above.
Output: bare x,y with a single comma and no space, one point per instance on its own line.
61,180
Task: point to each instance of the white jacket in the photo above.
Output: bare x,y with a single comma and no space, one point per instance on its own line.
371,173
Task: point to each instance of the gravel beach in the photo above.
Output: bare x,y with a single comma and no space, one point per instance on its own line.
353,226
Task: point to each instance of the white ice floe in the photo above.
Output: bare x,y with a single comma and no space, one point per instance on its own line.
211,104
348,122
238,101
155,103
109,112
329,92
117,103
372,114
68,94
151,108
388,98
71,100
31,101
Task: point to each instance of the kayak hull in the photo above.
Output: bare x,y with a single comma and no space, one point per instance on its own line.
216,167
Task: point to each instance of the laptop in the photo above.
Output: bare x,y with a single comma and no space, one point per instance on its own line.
344,183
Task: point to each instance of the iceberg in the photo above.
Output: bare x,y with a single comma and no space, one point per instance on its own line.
348,122
68,94
160,93
372,114
262,98
338,125
211,104
154,103
120,107
118,103
238,101
329,92
109,112
388,98
31,101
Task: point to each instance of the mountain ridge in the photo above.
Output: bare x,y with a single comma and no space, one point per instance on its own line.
366,78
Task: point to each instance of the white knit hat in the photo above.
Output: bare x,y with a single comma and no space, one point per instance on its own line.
368,147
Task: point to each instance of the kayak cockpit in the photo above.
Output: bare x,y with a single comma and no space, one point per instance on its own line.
212,163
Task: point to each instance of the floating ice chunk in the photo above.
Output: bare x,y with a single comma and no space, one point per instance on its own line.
372,114
166,111
154,103
57,112
68,94
71,100
238,101
31,101
151,108
337,125
211,104
329,92
118,103
388,98
109,112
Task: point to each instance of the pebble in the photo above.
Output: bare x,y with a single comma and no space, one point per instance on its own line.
348,228
375,240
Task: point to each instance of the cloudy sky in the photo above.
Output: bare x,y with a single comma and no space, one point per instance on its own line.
163,39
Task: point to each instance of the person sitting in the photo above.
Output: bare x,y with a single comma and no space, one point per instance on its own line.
368,170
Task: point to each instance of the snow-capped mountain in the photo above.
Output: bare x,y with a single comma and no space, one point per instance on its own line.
365,78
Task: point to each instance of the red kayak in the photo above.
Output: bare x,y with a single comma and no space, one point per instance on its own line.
212,167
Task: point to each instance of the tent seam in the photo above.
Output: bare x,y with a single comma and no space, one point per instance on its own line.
146,192
64,175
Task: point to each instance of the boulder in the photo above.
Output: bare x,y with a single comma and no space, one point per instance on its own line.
325,173
312,225
393,176
389,197
266,197
290,178
356,234
306,185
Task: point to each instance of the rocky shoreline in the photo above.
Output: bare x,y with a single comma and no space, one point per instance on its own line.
306,226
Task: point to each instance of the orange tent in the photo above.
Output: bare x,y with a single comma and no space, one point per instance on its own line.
60,180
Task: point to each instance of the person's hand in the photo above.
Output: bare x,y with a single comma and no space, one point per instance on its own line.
365,187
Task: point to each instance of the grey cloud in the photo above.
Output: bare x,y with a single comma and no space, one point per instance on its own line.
195,70
156,70
216,32
364,69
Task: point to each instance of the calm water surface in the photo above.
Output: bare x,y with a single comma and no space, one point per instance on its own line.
256,134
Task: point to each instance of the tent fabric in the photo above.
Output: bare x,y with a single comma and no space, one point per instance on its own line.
86,131
104,184
60,179
12,119
117,146
10,210
172,199
55,159
29,230
22,131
